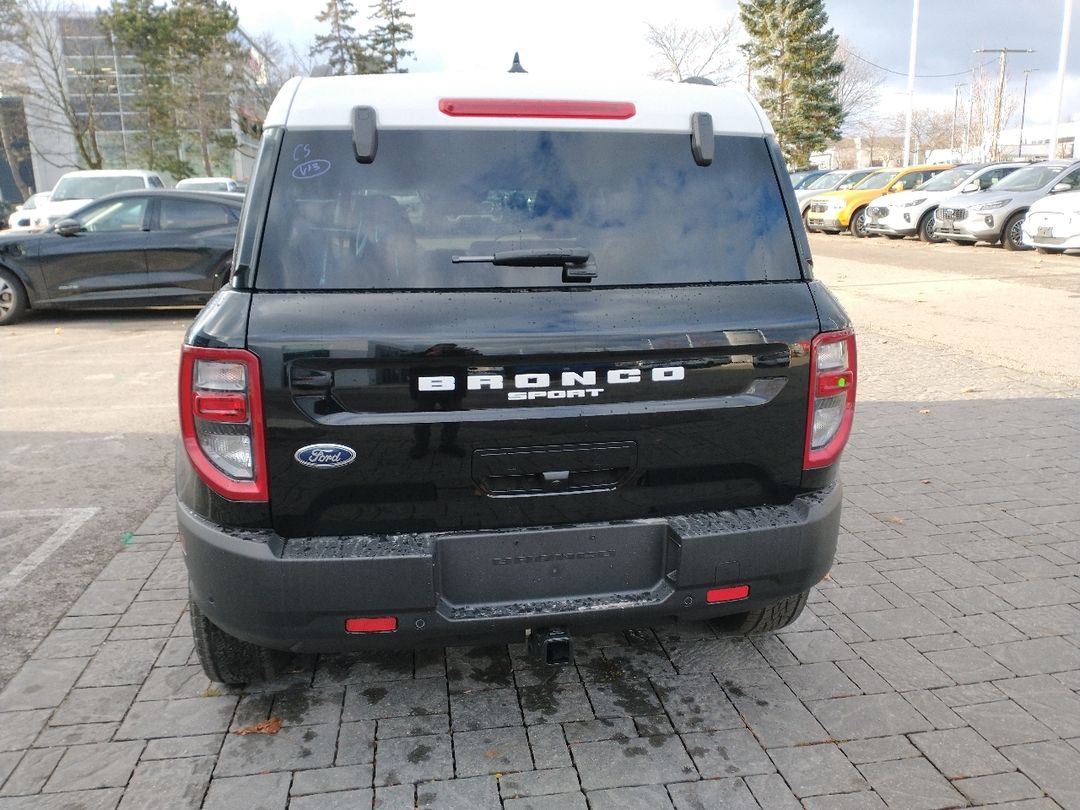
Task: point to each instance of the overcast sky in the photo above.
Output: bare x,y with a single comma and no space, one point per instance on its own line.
608,36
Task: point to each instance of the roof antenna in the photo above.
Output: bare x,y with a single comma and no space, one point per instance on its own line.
516,67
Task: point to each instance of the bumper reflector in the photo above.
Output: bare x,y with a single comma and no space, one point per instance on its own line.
732,593
380,624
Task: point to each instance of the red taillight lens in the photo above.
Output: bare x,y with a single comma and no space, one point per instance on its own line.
831,408
535,108
378,624
221,420
732,593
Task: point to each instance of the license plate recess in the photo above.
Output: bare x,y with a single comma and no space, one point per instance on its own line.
546,564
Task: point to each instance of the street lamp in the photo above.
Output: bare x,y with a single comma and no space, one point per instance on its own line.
1023,109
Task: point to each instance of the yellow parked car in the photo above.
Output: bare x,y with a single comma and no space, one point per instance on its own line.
836,211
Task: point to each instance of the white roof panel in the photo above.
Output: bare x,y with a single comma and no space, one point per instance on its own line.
411,101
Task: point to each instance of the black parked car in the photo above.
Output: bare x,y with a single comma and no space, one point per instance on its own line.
131,249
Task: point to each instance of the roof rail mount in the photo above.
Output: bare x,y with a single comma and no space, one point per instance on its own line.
516,67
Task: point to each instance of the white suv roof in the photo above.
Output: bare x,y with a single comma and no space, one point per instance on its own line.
412,101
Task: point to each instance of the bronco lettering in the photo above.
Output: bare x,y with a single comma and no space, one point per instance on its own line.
540,382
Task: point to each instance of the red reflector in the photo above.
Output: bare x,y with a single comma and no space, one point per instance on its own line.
535,108
731,594
221,407
831,383
381,624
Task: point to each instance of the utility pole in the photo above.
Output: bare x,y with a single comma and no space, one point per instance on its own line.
911,79
1063,53
1003,55
1023,109
955,107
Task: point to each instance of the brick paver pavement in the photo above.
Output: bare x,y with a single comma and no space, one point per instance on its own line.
938,666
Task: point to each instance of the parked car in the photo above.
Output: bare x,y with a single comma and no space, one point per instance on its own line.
22,218
210,184
1052,224
543,404
75,189
836,180
836,211
131,249
911,213
998,215
801,179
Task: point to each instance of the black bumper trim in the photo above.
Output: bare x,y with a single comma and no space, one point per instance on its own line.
295,594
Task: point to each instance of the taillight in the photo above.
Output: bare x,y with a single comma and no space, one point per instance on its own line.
832,397
221,420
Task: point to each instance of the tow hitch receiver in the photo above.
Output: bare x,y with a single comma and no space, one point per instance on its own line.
552,645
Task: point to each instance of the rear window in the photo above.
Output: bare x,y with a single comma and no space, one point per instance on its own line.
637,202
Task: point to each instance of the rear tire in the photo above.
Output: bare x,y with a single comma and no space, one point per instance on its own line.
1012,234
13,301
768,619
857,226
926,228
226,659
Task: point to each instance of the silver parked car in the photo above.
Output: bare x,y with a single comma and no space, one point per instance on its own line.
911,213
998,215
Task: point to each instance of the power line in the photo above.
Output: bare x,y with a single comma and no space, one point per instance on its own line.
917,75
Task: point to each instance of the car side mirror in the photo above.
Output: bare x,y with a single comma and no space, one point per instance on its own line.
970,187
898,186
68,227
1060,187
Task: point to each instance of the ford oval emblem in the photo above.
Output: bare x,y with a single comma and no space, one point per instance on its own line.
325,456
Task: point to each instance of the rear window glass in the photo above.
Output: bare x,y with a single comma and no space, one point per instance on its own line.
636,202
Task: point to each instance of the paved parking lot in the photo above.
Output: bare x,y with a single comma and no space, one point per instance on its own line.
937,666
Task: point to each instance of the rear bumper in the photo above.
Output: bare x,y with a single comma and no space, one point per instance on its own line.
452,588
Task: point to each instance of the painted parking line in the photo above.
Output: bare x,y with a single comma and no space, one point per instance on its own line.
70,521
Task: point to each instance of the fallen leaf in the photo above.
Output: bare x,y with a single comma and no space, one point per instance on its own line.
827,578
970,389
210,691
899,521
924,410
271,726
491,754
926,481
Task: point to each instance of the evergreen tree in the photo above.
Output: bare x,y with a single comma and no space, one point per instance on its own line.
386,41
793,55
145,31
341,46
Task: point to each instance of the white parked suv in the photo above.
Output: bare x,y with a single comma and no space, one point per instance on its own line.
209,184
911,213
1052,224
75,189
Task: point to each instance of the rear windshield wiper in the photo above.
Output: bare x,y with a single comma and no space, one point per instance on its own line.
576,262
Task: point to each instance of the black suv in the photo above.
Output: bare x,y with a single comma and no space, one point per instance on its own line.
506,359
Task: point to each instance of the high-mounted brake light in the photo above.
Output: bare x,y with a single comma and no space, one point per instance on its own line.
221,420
831,406
535,108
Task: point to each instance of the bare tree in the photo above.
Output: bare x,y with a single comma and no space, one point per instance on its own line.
981,107
857,89
64,98
686,52
930,130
